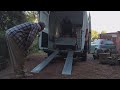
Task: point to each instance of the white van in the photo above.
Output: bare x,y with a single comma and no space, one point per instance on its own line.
74,36
67,34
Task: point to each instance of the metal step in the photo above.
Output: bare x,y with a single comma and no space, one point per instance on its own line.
43,64
68,64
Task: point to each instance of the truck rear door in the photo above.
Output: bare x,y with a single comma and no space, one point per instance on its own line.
43,36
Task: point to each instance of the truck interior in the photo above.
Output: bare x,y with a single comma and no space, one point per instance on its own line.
64,29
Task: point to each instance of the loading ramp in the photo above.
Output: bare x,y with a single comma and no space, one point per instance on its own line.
67,69
43,64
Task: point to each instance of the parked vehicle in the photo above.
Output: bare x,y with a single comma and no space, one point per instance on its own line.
102,46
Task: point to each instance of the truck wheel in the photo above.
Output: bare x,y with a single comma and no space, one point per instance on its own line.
84,58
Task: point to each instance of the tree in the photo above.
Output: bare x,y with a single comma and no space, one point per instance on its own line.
94,35
9,19
103,32
31,16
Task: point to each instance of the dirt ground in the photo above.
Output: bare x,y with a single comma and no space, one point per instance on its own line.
91,69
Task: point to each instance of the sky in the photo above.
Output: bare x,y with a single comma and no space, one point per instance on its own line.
108,21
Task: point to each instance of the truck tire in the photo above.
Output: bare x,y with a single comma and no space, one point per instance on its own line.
84,58
96,53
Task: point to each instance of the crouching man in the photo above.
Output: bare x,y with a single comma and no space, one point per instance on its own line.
19,39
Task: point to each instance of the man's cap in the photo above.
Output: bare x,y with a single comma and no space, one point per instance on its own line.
42,24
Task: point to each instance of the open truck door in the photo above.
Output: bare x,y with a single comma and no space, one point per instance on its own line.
43,35
89,37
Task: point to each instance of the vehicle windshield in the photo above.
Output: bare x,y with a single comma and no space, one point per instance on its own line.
97,41
102,41
109,42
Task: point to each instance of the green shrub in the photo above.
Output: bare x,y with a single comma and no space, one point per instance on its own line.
2,34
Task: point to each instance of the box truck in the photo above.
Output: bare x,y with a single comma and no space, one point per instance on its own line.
67,34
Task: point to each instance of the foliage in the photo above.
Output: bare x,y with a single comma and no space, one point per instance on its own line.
94,35
2,33
103,32
31,16
9,19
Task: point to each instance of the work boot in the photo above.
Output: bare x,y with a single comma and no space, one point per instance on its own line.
27,74
20,74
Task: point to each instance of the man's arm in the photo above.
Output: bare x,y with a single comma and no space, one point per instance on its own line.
37,27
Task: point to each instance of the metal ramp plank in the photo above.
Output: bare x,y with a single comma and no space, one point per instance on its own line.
43,64
68,64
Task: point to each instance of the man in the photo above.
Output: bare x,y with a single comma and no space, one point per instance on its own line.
19,39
